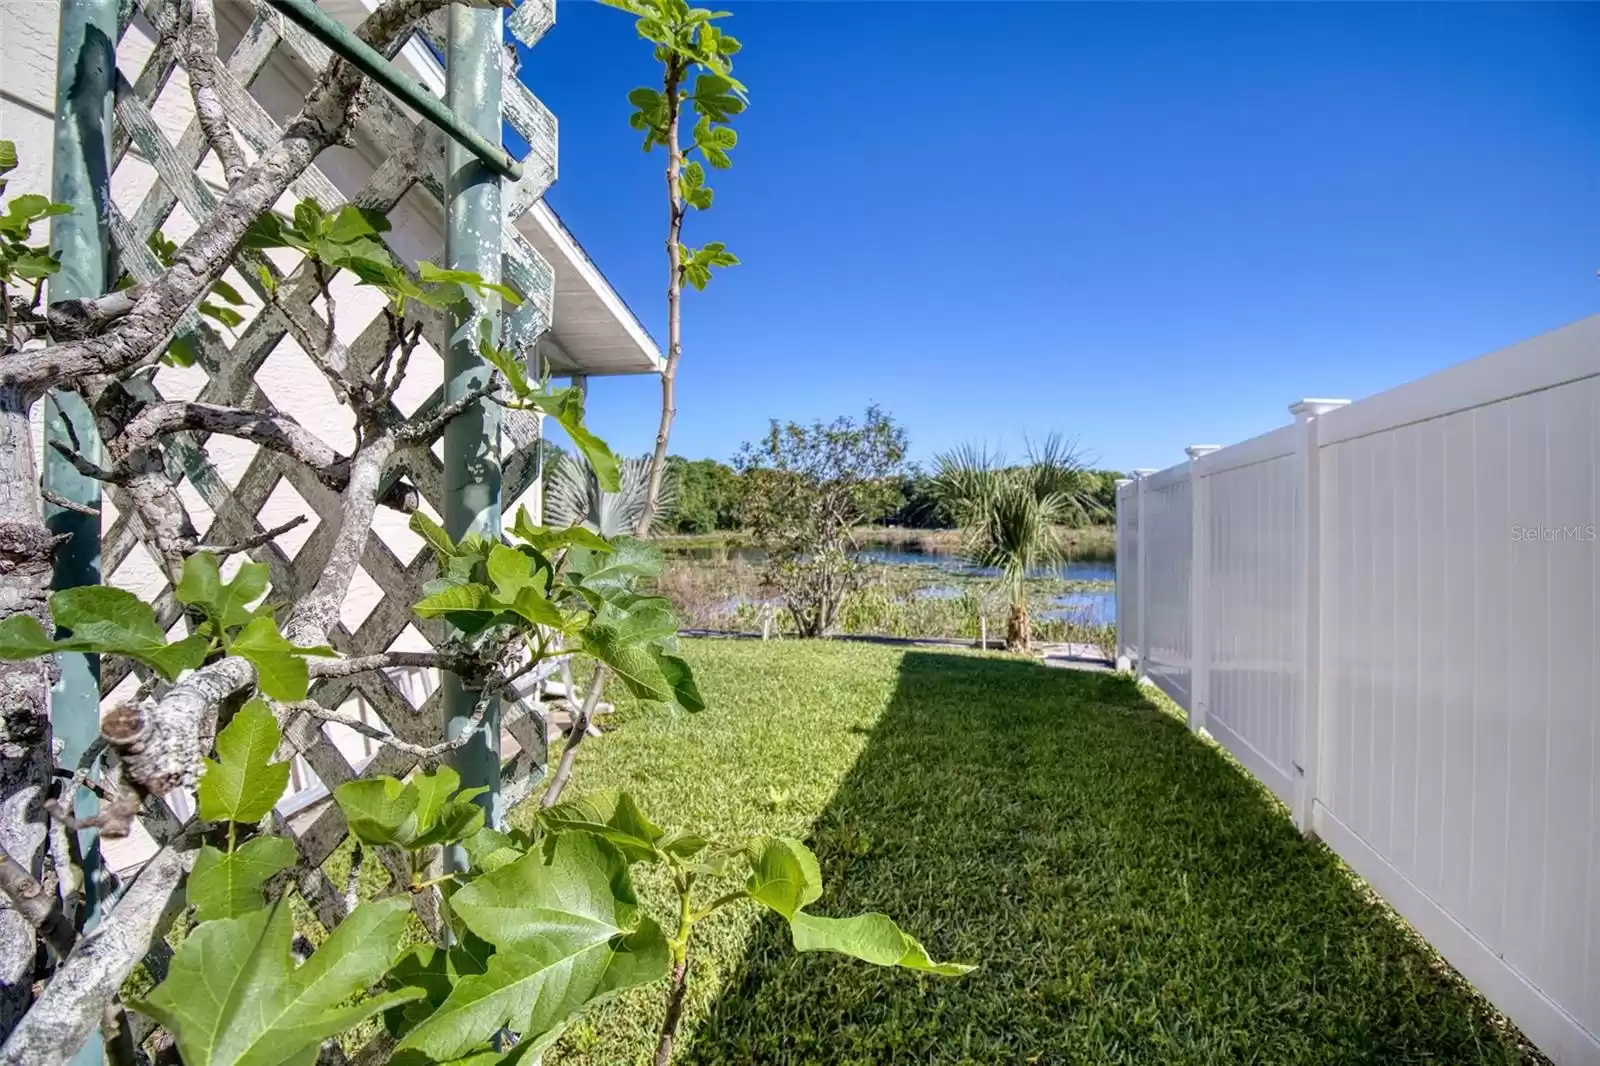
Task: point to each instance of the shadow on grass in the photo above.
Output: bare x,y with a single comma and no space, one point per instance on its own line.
1131,895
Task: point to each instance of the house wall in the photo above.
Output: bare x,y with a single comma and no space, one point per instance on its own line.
28,89
288,378
28,32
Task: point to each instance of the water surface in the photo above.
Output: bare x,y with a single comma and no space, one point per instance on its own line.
909,555
1094,607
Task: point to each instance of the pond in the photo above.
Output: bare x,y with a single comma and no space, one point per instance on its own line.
1088,606
954,564
904,555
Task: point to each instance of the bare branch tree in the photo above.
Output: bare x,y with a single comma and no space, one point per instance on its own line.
201,63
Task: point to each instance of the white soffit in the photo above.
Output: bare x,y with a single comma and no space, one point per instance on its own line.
594,332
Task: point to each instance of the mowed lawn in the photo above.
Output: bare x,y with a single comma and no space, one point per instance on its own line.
1130,894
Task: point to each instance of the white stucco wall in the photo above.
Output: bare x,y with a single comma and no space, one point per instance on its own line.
28,88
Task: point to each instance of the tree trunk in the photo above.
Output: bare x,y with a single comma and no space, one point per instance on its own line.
1019,628
669,1027
578,729
669,374
26,550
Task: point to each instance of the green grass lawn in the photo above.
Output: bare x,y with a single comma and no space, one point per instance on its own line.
1131,894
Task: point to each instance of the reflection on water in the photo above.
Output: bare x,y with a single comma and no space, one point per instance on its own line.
949,561
1092,608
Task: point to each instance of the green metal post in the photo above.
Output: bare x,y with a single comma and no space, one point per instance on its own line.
86,62
471,458
479,139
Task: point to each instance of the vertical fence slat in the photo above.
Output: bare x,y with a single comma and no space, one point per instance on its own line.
1125,567
1199,586
1308,619
1142,583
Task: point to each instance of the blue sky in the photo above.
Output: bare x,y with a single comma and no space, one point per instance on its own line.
1142,226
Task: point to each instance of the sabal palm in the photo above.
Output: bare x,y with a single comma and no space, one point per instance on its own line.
573,496
1010,516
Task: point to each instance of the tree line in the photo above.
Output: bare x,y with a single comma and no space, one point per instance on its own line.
710,497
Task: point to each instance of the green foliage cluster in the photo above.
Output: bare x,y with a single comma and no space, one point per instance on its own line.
23,263
707,495
544,923
695,59
561,582
687,42
922,506
233,992
917,507
231,621
541,924
1011,516
497,596
351,239
803,489
1102,492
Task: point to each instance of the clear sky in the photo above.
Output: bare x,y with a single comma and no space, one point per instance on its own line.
1143,226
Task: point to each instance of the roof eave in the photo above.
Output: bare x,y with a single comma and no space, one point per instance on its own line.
610,339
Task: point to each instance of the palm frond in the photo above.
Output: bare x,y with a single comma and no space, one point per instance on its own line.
573,496
1057,466
1016,532
1009,515
964,478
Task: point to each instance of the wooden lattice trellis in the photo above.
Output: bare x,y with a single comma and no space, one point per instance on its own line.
413,156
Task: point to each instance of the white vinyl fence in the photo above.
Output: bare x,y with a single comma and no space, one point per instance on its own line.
1389,612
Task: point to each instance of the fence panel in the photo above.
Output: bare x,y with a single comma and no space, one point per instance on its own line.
1445,602
1462,630
1128,573
1169,529
1253,599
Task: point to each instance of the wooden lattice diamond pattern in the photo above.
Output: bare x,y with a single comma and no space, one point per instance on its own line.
414,159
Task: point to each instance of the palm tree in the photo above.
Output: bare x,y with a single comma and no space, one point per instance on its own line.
1010,515
573,497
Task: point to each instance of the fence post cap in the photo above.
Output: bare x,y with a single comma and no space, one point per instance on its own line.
1144,472
1311,407
1195,451
1121,481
